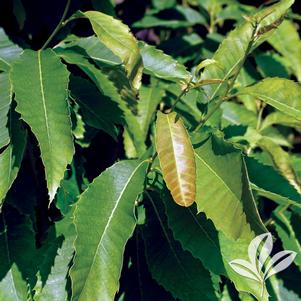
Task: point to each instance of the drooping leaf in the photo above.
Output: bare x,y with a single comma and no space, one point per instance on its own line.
286,224
122,97
46,90
17,269
5,101
106,206
172,267
8,51
97,110
232,52
286,40
222,183
54,288
11,157
176,158
159,64
278,92
117,37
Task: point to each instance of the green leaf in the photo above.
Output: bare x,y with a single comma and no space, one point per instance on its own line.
235,114
108,88
5,101
9,52
92,48
186,17
117,37
45,90
172,267
60,250
98,111
279,93
272,65
231,53
287,226
17,269
161,65
107,206
271,183
230,193
11,157
150,97
282,161
195,233
286,41
279,118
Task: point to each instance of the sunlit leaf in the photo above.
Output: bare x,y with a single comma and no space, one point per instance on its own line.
176,157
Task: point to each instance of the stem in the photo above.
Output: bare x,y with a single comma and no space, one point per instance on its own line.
180,96
59,25
259,119
203,121
231,83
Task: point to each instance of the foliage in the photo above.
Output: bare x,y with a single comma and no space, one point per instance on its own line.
146,147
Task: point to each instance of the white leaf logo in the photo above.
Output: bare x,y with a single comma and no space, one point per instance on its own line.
259,251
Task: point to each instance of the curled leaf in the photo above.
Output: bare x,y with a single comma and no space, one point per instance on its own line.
176,158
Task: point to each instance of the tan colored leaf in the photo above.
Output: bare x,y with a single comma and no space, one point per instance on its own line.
176,158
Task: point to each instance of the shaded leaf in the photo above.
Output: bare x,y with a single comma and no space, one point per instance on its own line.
176,270
11,157
286,40
5,101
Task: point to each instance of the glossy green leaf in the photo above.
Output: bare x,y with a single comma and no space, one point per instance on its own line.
216,188
117,37
5,101
46,90
172,267
279,93
176,158
107,207
159,64
286,41
9,51
11,157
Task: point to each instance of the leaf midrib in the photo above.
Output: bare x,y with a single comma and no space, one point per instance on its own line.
100,244
44,102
